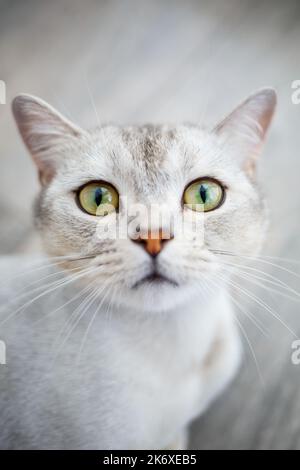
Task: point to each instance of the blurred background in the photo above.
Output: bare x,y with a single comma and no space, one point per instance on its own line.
161,60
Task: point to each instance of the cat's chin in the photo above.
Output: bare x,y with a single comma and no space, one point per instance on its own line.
157,294
155,280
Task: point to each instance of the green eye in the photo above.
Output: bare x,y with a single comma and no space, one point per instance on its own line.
98,199
204,195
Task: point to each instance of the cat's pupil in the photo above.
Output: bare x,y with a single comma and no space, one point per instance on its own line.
203,194
98,196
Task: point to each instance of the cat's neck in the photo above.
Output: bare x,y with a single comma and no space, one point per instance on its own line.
190,326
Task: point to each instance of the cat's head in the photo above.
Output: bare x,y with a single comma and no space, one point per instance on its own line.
85,175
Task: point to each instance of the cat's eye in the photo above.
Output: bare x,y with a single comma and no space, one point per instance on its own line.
204,195
98,199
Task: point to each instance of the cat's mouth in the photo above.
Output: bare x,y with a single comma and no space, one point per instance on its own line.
154,278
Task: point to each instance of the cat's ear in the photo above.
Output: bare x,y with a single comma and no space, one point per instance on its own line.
44,131
244,129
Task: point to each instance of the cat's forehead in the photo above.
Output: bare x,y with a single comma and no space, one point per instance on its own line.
149,141
149,159
152,152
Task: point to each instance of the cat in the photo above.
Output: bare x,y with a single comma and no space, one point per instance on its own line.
120,342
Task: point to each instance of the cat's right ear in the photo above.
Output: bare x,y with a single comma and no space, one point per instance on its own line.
44,131
245,128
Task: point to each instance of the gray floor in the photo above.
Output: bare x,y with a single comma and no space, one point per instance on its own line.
138,61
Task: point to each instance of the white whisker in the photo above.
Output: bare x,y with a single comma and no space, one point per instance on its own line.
92,321
258,301
55,285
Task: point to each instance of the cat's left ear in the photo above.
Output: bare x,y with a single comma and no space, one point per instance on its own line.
244,129
44,131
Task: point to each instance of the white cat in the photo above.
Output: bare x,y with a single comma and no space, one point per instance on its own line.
143,329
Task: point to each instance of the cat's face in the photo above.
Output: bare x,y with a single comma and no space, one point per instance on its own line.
150,166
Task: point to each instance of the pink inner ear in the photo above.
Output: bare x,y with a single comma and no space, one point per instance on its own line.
250,166
46,175
45,165
246,126
257,108
43,130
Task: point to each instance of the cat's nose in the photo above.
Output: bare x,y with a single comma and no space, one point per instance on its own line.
153,241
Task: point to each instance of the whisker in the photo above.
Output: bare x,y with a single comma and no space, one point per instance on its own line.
57,284
252,350
57,260
248,342
256,281
249,315
39,288
75,315
82,291
260,302
81,313
268,278
25,293
92,100
85,336
252,258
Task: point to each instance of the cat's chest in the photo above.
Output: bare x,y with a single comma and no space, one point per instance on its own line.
174,395
162,367
146,375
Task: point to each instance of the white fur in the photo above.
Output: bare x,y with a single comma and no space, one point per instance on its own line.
157,353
